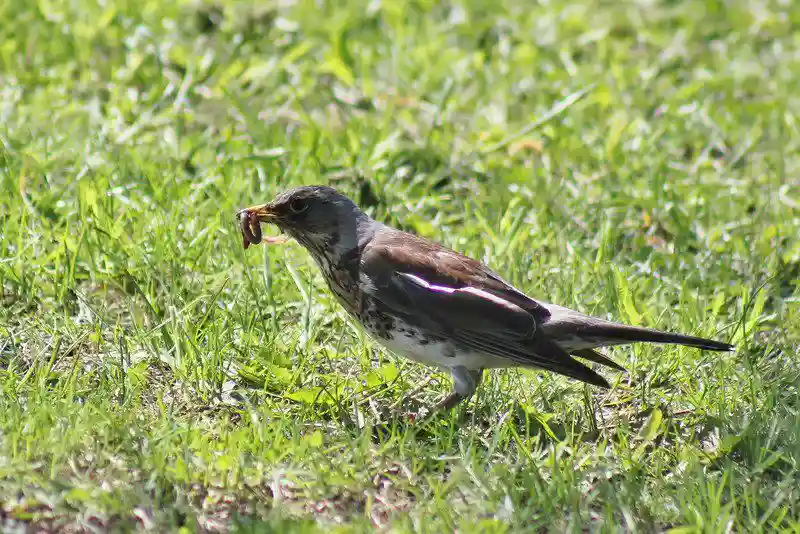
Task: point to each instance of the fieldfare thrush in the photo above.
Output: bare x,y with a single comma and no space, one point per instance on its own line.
436,306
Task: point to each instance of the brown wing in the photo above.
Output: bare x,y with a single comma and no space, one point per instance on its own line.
456,297
441,266
465,309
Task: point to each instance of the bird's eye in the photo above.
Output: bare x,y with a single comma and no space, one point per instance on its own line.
298,205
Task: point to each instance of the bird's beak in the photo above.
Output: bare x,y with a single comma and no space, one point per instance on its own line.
262,212
250,220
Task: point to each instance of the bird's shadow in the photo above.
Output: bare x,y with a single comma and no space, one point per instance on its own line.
424,422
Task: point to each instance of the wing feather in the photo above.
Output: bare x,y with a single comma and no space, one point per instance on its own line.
477,311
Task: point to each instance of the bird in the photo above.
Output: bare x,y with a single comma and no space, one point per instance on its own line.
436,306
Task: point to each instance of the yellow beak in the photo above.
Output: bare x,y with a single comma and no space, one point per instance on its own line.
250,220
263,212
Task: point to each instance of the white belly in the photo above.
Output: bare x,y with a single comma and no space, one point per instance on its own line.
440,354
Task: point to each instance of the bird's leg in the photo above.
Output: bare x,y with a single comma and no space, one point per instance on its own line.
465,382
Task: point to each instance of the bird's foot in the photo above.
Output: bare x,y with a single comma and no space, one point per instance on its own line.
449,402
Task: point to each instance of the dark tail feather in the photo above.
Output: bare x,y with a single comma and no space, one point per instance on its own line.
596,357
550,356
631,334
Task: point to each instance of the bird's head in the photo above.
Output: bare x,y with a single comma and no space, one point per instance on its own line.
318,217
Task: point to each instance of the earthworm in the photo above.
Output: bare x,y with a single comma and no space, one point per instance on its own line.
251,228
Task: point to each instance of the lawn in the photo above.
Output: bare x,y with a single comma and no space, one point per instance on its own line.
635,160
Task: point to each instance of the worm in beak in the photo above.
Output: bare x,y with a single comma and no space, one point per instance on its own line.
251,228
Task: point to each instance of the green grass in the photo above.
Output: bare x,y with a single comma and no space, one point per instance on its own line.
635,160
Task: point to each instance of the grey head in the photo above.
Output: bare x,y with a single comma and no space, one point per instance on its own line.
320,218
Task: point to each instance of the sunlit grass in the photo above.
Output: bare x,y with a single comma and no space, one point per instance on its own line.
633,160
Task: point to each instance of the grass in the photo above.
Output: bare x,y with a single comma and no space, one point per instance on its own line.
635,160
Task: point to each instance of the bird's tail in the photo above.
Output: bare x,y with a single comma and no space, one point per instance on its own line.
621,333
548,355
574,331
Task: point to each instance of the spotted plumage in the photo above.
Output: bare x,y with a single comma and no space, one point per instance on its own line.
436,306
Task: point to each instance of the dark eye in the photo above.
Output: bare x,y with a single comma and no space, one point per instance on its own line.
298,205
